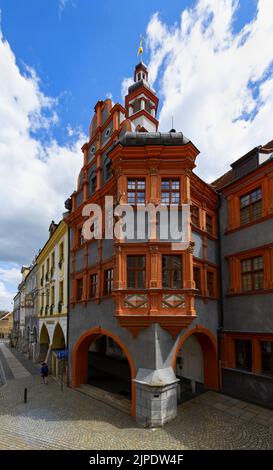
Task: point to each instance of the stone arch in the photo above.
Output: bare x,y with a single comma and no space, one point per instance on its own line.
208,344
44,340
58,339
80,359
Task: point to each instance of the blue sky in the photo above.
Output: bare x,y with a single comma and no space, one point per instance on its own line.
210,61
83,50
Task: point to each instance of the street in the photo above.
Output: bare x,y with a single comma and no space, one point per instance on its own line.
55,419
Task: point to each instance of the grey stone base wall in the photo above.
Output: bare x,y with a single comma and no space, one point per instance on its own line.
250,387
156,396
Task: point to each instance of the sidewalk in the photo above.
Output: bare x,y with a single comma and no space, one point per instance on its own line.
17,370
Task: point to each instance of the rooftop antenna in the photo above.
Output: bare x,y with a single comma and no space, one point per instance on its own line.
172,129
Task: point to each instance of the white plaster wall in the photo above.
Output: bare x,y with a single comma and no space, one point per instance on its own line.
192,360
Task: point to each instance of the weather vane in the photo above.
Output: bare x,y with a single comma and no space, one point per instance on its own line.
140,49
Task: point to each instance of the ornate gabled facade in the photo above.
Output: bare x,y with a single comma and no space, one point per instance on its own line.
134,303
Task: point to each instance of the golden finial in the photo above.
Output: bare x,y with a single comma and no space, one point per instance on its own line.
140,49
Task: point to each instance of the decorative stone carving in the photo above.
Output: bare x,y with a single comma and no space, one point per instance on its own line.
173,301
135,301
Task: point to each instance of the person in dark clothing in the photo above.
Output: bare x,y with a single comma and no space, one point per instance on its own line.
44,372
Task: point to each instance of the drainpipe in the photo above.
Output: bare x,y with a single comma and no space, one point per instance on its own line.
221,304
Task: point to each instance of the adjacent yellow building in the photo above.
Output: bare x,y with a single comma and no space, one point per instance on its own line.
53,297
6,324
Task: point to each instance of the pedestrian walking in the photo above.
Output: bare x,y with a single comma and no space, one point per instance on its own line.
44,372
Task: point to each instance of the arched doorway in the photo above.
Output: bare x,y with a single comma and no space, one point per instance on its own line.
58,363
195,360
100,359
44,343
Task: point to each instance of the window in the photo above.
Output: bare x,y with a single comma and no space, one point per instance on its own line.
79,289
61,291
195,215
197,278
252,274
93,184
209,227
52,263
243,351
251,206
170,191
93,282
172,271
136,272
47,297
43,275
108,281
136,191
52,295
47,269
108,170
267,357
210,283
61,252
80,237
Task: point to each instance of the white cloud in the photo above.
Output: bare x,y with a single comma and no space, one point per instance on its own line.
37,175
125,85
204,71
109,96
11,275
6,298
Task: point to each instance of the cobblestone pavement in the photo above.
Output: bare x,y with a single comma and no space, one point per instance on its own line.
53,419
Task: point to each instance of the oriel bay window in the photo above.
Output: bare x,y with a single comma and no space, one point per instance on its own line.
251,206
243,352
136,190
93,282
108,281
172,271
170,191
267,357
136,271
252,272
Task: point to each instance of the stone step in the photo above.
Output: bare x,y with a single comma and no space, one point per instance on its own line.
108,398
